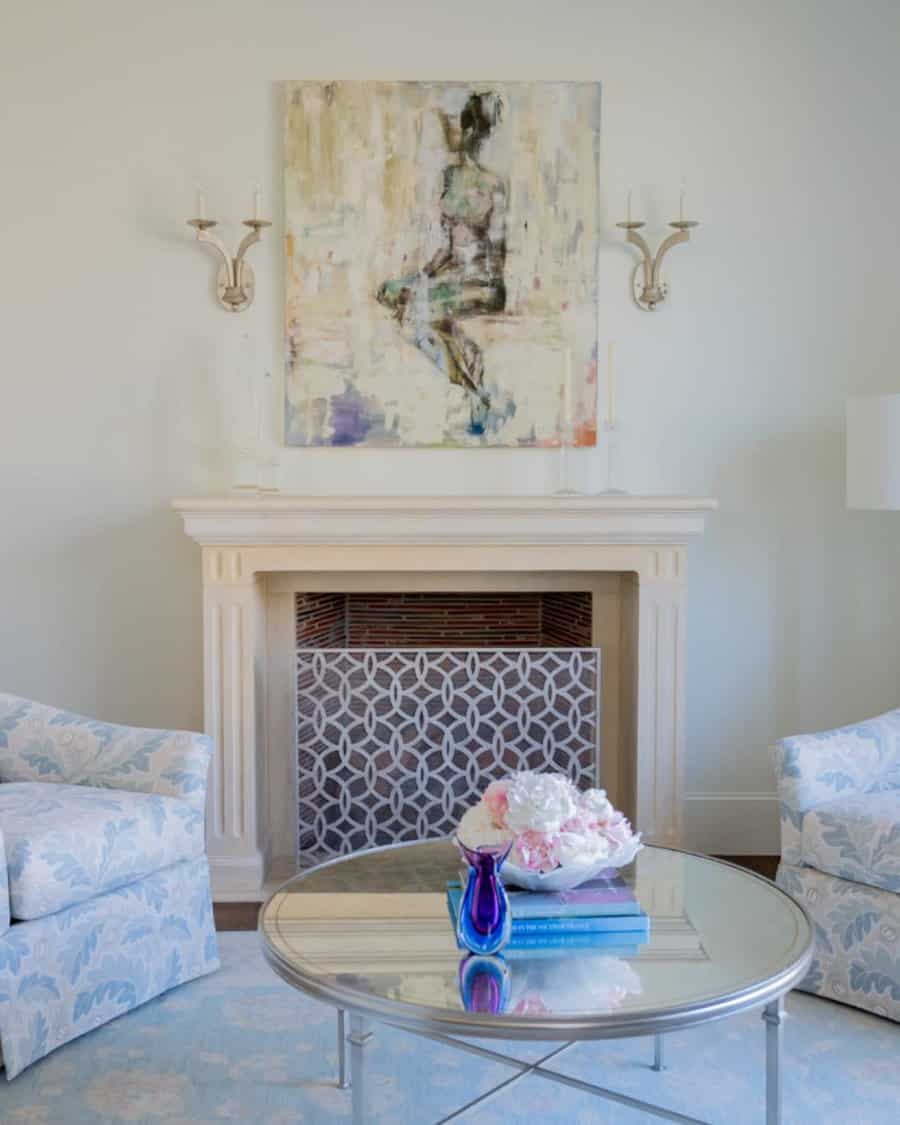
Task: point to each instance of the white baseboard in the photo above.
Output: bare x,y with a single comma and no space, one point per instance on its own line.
732,823
236,878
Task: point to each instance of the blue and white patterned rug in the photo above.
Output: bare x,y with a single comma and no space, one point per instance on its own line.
241,1046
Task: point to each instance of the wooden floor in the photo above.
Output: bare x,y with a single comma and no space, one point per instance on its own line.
243,915
236,915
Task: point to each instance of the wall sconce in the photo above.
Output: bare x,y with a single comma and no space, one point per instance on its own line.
235,283
647,287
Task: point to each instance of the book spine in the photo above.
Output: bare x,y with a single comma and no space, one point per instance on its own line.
630,924
524,909
618,942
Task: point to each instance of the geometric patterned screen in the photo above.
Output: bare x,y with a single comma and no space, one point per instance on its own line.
395,744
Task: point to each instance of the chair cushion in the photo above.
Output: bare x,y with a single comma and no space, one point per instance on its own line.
856,838
68,843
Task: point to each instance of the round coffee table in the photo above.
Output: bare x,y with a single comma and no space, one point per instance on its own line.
370,935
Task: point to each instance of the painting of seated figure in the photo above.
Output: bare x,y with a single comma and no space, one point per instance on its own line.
441,279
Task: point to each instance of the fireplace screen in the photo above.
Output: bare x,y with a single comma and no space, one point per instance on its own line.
395,744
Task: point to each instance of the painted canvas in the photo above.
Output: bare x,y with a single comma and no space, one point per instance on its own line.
441,263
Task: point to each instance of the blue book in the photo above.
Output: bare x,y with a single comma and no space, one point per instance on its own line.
555,933
636,922
601,897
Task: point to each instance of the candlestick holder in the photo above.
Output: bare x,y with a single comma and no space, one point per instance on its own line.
564,465
612,457
235,282
647,287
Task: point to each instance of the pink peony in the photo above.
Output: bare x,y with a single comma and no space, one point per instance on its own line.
495,800
536,851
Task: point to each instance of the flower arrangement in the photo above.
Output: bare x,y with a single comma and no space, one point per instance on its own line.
561,836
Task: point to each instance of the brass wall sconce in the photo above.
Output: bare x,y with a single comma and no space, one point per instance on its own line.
647,287
235,282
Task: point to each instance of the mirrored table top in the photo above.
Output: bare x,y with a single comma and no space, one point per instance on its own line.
371,933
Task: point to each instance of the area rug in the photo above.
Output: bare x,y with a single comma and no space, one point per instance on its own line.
241,1046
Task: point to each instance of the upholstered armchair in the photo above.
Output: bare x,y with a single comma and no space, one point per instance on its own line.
840,856
104,882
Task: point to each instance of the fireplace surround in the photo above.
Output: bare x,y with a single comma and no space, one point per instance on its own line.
628,553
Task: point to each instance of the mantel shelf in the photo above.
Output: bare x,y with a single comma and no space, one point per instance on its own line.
615,518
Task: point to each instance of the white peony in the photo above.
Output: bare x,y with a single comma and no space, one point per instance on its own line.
539,802
595,805
476,827
581,848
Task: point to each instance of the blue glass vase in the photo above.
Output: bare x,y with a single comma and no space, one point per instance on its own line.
484,924
484,984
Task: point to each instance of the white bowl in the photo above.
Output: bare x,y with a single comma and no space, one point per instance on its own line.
570,877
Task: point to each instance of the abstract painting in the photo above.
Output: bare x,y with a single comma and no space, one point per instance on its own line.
441,280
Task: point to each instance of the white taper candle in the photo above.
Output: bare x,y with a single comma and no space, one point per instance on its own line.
257,202
567,397
611,383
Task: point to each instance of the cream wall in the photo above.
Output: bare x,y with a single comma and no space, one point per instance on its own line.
781,117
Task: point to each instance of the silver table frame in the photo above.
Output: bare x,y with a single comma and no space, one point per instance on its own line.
455,1028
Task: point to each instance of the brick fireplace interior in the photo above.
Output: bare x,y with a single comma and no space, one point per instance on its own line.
492,619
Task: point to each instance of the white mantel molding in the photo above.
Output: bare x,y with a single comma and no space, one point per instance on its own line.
246,540
439,520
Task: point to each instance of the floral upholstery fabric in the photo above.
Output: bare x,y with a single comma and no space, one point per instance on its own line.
4,888
67,843
840,856
814,769
102,859
856,838
40,743
67,973
857,939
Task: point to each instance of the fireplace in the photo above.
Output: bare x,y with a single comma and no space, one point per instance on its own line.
475,573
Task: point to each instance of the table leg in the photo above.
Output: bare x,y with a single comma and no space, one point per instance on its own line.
359,1037
343,1069
658,1063
773,1015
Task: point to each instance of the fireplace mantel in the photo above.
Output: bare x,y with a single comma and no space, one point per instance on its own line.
257,550
613,518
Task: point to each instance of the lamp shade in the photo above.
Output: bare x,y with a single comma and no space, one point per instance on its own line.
873,452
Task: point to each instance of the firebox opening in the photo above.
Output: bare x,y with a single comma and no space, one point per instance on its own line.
493,619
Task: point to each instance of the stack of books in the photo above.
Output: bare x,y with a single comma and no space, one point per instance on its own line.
602,915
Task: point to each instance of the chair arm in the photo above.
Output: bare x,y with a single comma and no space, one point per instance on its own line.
40,743
815,768
4,889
